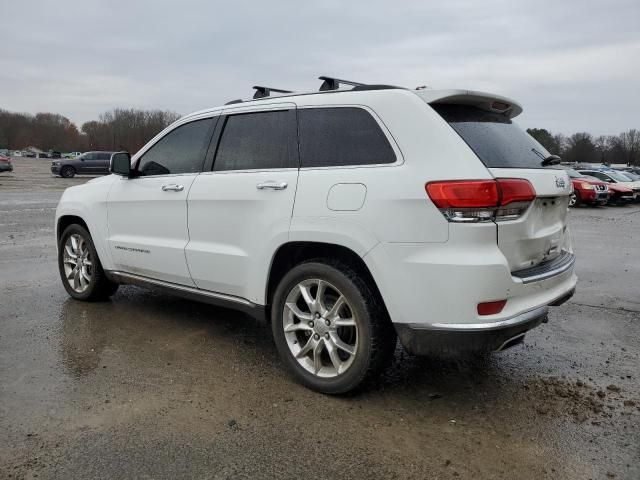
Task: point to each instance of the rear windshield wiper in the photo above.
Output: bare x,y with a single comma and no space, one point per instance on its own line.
546,161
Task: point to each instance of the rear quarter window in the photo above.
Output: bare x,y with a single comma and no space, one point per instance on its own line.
341,136
496,139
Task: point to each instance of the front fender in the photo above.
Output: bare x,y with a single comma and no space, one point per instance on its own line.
89,202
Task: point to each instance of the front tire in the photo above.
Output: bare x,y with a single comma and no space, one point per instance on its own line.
80,268
330,327
67,172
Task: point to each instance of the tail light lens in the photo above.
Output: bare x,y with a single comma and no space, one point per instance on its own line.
481,200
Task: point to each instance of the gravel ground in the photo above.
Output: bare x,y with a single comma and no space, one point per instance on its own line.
150,386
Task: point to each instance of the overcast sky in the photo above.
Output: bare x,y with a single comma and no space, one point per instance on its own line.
574,65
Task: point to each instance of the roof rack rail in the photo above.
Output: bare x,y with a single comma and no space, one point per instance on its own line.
330,83
239,100
262,92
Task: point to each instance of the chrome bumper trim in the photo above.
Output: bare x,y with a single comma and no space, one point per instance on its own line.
485,326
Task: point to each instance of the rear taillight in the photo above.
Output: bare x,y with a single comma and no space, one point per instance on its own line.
481,200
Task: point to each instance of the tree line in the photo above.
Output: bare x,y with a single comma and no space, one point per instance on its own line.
129,129
584,147
118,129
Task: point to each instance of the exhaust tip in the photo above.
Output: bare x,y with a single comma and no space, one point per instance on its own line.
512,342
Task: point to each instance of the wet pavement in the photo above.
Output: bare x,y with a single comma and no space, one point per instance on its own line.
150,386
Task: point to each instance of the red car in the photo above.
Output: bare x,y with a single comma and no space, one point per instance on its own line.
5,164
587,190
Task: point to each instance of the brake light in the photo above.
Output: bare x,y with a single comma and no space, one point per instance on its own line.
481,200
464,194
491,308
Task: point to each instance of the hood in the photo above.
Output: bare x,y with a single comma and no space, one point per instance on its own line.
591,180
619,187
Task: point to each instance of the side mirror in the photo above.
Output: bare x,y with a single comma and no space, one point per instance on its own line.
120,164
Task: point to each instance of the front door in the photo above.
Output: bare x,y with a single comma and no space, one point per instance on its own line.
240,211
147,214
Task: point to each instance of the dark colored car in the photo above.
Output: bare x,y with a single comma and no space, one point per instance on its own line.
89,163
587,190
5,164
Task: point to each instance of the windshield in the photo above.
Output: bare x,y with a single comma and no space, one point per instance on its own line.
619,176
632,176
495,139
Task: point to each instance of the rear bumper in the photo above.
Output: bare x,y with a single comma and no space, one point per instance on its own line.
447,338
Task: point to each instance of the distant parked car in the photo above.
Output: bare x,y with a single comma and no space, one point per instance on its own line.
5,164
614,177
587,190
635,170
93,163
41,155
632,175
71,154
53,154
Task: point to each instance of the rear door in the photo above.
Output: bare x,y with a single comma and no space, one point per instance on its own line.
240,210
509,152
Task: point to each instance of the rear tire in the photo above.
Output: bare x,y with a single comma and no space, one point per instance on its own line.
80,268
67,172
330,327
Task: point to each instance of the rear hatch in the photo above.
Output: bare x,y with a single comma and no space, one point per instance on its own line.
540,233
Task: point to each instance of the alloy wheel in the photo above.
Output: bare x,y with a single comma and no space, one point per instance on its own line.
320,328
78,264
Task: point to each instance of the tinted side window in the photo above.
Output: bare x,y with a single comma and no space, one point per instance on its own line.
90,156
257,141
331,137
180,151
104,156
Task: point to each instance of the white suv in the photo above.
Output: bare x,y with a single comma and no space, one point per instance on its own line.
345,218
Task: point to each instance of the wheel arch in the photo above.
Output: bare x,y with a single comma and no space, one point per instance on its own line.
293,253
65,220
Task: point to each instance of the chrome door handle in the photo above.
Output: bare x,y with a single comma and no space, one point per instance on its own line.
173,187
272,185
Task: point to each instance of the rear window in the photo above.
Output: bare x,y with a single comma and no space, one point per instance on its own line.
341,136
495,139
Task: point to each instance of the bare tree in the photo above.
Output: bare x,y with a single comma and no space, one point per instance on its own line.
629,147
581,148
